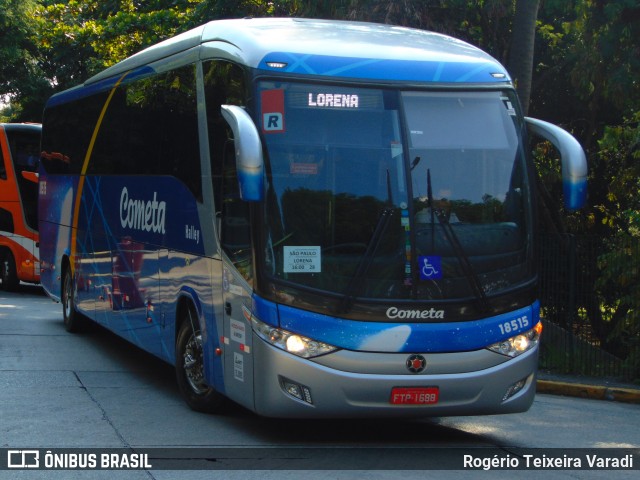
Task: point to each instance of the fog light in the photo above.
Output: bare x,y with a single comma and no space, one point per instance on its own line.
293,390
307,394
513,389
296,390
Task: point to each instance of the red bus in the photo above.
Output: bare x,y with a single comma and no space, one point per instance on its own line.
19,156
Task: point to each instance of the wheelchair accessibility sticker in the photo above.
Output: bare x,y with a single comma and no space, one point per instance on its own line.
430,268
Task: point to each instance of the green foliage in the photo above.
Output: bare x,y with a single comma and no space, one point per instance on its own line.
619,265
619,151
619,286
20,76
79,38
586,79
16,52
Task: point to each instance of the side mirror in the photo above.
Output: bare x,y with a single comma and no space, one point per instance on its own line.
248,150
574,161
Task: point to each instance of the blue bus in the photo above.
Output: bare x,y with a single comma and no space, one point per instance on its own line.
310,218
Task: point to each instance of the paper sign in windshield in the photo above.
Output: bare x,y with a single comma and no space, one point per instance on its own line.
304,168
302,259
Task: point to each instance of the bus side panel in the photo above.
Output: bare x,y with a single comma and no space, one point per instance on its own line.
198,280
138,245
238,348
23,249
214,364
55,211
83,262
15,235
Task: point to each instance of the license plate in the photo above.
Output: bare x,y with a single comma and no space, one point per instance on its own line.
414,395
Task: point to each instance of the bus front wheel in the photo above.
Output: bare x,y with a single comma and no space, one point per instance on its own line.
190,368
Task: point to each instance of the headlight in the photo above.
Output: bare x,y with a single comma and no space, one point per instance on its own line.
517,345
290,342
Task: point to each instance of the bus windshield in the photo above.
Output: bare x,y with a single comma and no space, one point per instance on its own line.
377,194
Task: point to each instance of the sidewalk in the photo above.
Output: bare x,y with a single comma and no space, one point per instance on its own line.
587,387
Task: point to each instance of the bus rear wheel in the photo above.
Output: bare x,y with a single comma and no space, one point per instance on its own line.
190,368
8,272
72,319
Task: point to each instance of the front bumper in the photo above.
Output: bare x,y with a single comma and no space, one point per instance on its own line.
339,393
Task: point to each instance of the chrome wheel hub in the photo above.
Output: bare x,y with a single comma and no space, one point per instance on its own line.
194,364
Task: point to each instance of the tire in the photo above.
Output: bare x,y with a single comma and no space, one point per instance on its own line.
8,272
190,368
72,319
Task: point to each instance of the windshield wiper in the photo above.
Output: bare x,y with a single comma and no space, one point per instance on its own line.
463,259
461,255
365,262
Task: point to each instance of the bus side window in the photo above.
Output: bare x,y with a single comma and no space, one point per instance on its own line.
151,128
6,221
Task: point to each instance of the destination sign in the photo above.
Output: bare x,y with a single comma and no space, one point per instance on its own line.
333,100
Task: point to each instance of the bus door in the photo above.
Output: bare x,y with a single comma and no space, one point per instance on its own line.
234,227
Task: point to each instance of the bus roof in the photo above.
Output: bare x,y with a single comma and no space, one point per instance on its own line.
331,48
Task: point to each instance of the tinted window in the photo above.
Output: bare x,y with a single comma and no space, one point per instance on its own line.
149,128
24,146
66,133
6,221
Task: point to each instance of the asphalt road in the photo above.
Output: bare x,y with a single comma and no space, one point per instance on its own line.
93,390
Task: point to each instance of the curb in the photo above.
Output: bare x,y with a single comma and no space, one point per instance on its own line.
596,392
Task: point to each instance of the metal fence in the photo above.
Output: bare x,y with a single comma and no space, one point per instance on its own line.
590,299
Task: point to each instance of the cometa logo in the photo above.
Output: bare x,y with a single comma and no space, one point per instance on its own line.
394,313
147,216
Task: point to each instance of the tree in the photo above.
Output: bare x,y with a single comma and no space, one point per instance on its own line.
19,73
79,38
504,28
586,78
522,48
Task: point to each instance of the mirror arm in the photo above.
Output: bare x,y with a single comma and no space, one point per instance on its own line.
574,161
